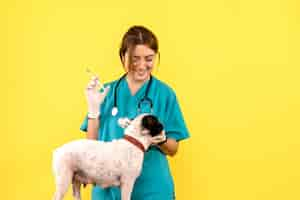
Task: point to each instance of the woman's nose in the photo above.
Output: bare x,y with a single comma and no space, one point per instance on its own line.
142,64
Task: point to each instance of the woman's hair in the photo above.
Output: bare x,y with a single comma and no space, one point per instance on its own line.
134,36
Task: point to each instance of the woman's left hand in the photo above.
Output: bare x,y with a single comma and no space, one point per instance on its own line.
159,138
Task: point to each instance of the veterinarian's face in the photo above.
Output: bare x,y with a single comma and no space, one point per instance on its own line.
142,62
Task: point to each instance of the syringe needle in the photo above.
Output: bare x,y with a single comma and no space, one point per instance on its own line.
93,74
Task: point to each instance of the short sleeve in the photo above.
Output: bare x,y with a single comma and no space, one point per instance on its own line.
174,123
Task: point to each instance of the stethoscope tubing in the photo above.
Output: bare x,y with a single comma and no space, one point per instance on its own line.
145,98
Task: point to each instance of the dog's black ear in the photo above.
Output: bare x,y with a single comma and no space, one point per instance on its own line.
151,123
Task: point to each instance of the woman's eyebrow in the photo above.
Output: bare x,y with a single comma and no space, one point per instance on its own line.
151,55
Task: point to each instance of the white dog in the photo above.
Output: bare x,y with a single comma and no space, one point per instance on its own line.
116,163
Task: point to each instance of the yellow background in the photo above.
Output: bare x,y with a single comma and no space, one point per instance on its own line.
233,63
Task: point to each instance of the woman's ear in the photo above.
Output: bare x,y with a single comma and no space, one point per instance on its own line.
124,122
125,61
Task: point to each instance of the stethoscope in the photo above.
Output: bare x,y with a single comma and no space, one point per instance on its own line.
145,99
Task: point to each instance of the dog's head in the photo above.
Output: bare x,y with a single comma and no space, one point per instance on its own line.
144,124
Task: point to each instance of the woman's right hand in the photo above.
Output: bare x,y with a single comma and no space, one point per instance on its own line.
94,97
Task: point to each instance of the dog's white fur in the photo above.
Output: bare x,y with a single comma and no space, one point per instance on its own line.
116,163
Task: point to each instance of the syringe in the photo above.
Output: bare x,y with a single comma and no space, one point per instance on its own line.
99,85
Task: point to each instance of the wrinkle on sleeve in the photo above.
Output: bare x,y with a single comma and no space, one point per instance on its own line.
174,123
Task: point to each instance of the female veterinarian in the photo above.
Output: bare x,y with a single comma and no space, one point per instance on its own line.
137,91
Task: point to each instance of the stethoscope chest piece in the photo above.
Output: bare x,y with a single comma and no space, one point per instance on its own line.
114,111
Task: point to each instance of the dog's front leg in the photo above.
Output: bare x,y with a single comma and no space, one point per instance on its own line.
126,187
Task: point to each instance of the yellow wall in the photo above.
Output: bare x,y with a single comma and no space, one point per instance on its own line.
234,65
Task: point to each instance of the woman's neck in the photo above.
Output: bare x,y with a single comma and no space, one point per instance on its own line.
134,85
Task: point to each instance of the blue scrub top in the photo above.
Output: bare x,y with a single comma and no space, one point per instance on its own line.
155,181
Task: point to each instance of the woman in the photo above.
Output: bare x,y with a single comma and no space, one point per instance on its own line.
134,93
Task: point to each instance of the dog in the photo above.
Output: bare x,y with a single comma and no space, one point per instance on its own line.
115,163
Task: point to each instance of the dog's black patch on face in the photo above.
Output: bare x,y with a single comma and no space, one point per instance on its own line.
151,123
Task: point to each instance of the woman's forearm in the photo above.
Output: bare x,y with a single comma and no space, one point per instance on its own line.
92,130
170,147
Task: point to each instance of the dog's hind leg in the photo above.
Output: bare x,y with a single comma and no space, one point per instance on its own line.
63,180
76,189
